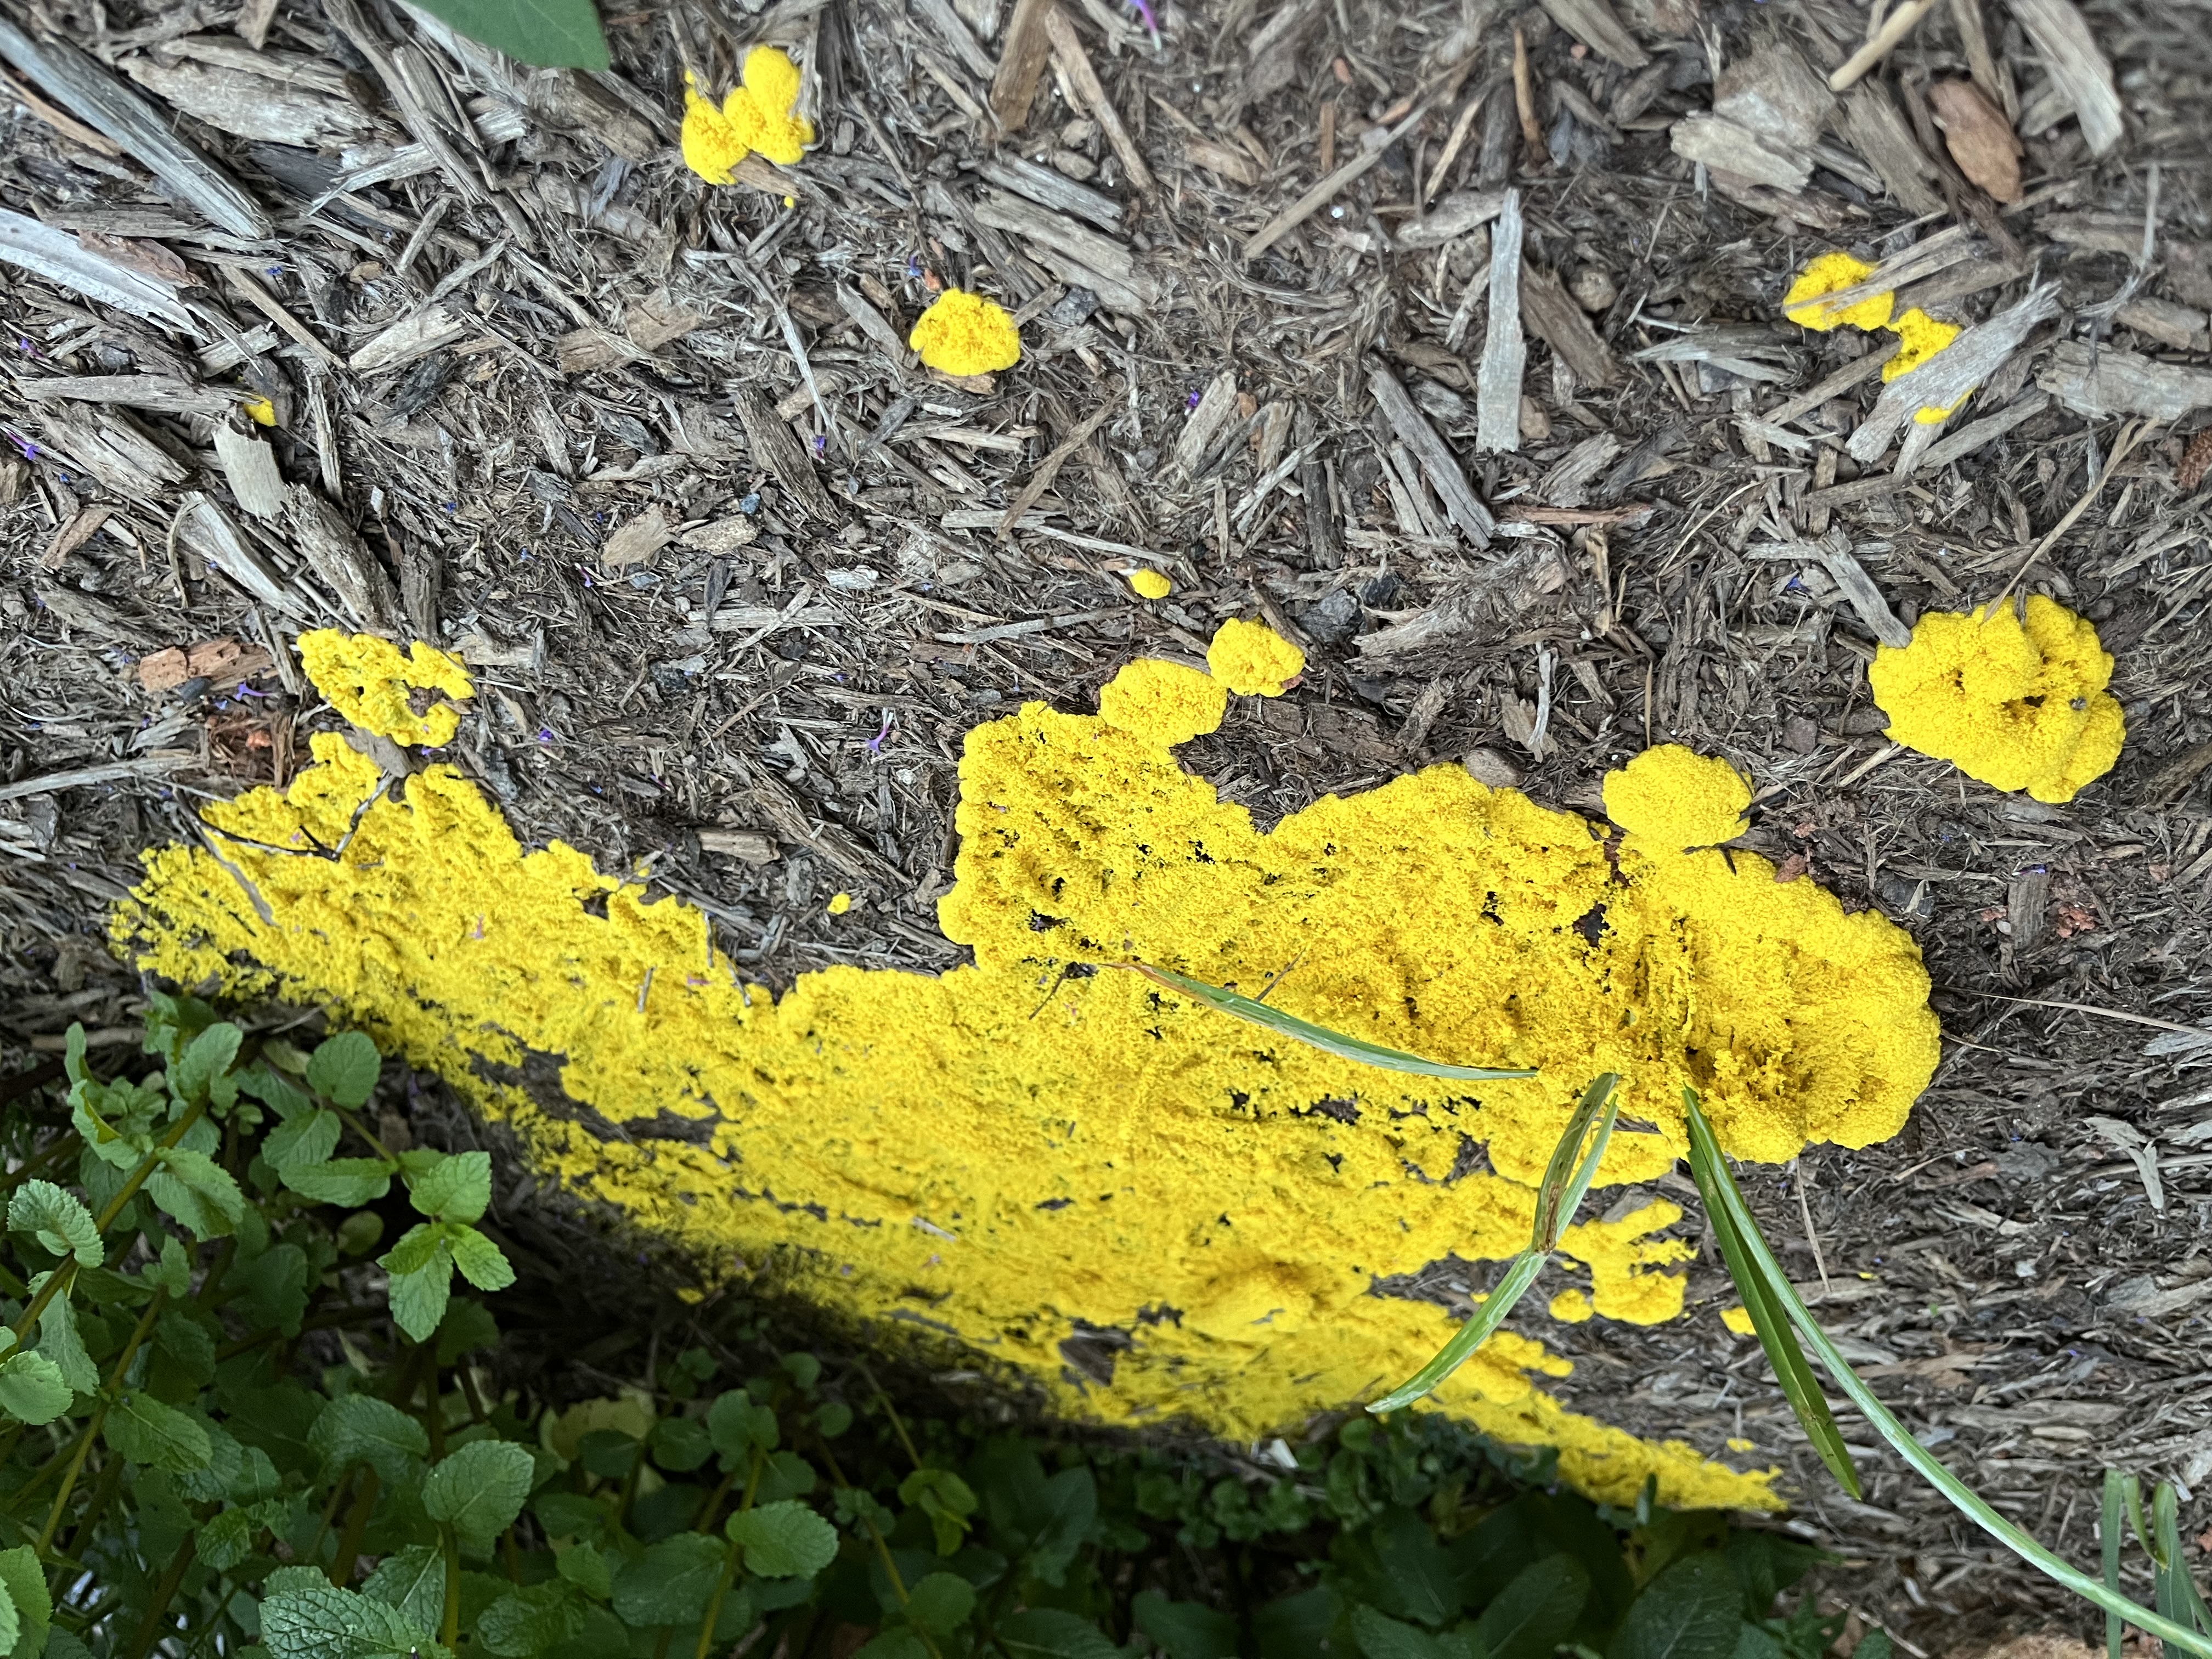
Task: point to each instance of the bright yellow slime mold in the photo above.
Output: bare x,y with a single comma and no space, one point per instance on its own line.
1163,702
1035,1146
2018,705
1832,273
757,115
367,680
964,333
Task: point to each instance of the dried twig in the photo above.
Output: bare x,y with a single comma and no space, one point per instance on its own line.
1504,350
1899,23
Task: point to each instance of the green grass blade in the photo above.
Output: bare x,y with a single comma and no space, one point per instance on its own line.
2110,1534
2178,1598
1791,1369
1319,1037
1567,1182
1470,1336
1931,1469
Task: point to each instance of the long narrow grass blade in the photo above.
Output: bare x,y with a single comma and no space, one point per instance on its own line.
2178,1598
1319,1037
1931,1469
2110,1534
1566,1183
1791,1369
1470,1336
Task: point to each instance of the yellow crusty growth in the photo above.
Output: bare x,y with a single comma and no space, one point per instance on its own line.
1671,799
1252,660
2019,706
1832,273
1149,584
1163,702
987,1158
368,681
759,114
964,333
1920,337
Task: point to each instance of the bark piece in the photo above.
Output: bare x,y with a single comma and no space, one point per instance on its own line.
773,447
249,106
1437,462
204,527
1075,63
431,329
2078,67
122,455
1878,131
1980,140
1773,92
1952,373
2182,327
957,36
1214,410
60,258
344,562
1022,58
1461,211
249,466
164,394
1726,146
1053,190
637,541
2108,382
1504,350
1565,327
1592,23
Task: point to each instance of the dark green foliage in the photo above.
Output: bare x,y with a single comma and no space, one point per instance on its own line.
232,1427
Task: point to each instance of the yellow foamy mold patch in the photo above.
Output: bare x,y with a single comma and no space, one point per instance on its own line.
374,685
2017,702
1832,273
1028,1149
964,333
760,113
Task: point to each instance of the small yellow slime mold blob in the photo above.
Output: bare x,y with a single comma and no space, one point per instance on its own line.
1149,584
367,680
1162,702
1001,1158
2017,704
757,115
1672,798
839,903
1832,273
964,333
1252,660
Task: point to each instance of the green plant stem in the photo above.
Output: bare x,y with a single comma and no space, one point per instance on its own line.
449,1626
92,1430
67,1275
111,1481
1925,1463
2108,1539
891,1412
349,1551
883,1544
157,1610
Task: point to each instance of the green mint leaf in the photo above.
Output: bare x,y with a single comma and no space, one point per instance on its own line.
228,1540
308,1137
670,1583
144,1430
360,1428
350,1182
419,1298
582,1565
1694,1606
33,1389
681,1445
941,1602
412,1580
550,33
345,1068
479,1490
172,1272
25,1582
1049,1633
202,1072
59,1341
58,1219
199,1192
457,1187
482,1262
738,1427
524,1623
418,1247
269,1086
783,1541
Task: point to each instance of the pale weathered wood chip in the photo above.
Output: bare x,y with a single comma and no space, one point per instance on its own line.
60,258
338,556
431,329
165,394
1211,413
1437,462
1592,23
2096,381
2077,64
1504,349
1565,327
249,467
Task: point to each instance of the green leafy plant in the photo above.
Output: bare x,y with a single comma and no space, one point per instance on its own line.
236,1429
553,34
1780,1317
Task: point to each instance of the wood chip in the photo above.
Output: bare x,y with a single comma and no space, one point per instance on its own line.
266,302
1049,469
2078,66
203,525
1772,92
1075,63
1224,160
1726,146
1302,209
343,562
165,394
2108,382
2166,321
1056,191
1565,327
1504,350
1454,217
1899,24
637,541
249,467
746,846
1592,23
253,107
1465,507
1953,372
1214,410
1980,140
1878,133
1022,58
957,36
774,448
432,328
83,524
58,257
660,318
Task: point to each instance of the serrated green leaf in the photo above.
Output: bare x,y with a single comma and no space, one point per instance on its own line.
345,1068
457,1187
302,1141
418,1247
482,1262
783,1541
201,1071
349,1181
412,1580
739,1426
228,1538
524,1623
271,1290
143,1429
59,1341
274,1090
25,1583
58,1219
670,1583
197,1191
479,1490
316,1620
1255,1012
582,1565
419,1298
33,1389
1185,1630
360,1428
941,1602
1049,1633
172,1272
1691,1609
681,1445
550,33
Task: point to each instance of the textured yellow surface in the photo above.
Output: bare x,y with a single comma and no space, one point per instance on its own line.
964,333
1033,1146
370,681
1832,273
1163,702
1149,584
2019,705
1252,660
757,115
839,904
1670,800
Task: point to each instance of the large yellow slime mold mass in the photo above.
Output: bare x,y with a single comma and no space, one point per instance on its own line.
1031,1148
